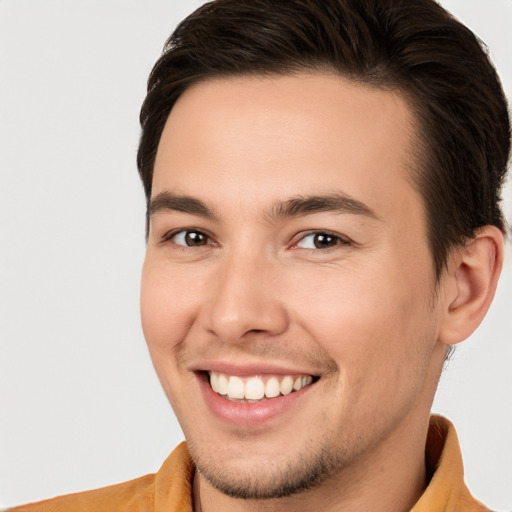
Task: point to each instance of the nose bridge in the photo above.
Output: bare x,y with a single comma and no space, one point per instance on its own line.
244,298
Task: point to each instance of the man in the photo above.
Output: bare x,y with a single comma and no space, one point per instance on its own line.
323,186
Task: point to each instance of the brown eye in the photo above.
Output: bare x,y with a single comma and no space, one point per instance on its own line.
190,238
320,240
323,240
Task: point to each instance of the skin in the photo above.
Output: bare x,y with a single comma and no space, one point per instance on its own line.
362,312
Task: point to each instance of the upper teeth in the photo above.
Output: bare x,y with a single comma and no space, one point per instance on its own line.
256,387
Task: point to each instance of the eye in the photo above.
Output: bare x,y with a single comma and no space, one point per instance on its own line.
320,240
189,238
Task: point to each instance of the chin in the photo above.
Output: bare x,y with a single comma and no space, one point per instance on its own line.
264,476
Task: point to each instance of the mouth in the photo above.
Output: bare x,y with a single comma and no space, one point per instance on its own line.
254,396
256,388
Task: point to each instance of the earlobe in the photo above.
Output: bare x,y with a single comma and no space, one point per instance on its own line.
472,278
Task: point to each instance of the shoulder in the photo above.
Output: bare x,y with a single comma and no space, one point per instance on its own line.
171,484
134,495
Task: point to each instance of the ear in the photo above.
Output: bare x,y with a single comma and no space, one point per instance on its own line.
470,283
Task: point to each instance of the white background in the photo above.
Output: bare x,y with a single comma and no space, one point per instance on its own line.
80,405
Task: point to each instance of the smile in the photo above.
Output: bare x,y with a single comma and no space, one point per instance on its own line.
256,388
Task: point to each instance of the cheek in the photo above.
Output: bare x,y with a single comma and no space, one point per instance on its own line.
371,325
166,306
166,313
380,338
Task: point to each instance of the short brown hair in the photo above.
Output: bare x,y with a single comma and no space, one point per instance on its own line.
412,46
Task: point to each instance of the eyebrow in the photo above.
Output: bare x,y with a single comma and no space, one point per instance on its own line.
306,205
294,207
169,201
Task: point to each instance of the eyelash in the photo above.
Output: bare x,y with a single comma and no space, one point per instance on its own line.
337,239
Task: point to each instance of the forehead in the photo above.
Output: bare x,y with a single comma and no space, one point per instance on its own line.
265,138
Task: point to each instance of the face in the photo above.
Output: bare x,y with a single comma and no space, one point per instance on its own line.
288,297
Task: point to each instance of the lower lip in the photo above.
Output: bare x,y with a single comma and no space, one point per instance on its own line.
245,414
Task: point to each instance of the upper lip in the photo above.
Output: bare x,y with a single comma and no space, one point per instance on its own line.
248,369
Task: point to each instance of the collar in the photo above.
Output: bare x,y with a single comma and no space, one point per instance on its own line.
446,491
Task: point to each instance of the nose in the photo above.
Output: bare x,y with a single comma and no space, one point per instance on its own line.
245,300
